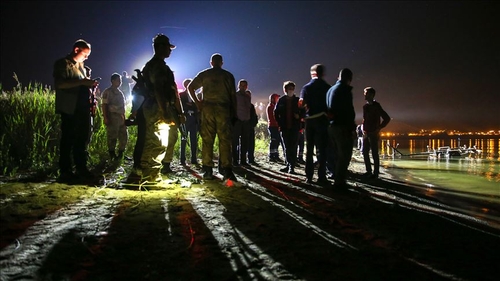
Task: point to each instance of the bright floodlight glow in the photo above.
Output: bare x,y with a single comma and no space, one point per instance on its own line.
163,129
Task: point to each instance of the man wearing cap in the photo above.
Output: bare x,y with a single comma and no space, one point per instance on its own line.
313,97
218,110
159,107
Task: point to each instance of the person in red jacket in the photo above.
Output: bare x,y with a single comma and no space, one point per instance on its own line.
288,114
273,129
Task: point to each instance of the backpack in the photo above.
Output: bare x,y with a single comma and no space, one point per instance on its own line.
140,91
254,118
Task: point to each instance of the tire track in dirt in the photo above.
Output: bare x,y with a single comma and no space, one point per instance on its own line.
268,226
270,183
23,259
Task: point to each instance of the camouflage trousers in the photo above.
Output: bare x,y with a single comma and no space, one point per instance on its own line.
216,121
154,149
173,135
116,131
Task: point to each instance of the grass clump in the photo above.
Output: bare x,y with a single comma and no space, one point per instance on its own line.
30,133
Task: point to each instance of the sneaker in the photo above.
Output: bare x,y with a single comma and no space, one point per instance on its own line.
284,169
85,177
341,187
367,175
323,181
84,174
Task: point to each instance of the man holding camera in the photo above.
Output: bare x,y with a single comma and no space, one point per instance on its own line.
72,103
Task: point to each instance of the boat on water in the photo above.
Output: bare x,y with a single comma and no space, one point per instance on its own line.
448,151
440,152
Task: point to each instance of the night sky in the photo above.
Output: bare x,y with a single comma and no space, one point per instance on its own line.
435,65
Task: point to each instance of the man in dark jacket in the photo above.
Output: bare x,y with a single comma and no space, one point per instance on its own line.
288,114
340,110
372,113
254,120
192,125
313,97
241,126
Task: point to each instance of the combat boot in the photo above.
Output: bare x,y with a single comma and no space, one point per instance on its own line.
122,156
208,173
229,175
166,168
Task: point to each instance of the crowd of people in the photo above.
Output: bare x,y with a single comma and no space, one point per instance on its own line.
319,122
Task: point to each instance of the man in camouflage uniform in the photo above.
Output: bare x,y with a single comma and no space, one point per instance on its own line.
158,107
113,113
218,110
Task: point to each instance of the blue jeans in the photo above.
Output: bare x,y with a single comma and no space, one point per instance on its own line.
275,142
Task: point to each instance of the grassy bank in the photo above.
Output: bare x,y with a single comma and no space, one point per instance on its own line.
30,133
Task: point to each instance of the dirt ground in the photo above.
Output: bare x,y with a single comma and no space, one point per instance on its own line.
267,226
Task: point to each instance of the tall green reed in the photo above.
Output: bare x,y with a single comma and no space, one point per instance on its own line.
30,133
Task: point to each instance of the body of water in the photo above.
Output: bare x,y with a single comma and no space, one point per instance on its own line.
413,160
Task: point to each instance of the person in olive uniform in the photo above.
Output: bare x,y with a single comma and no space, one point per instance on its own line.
218,111
113,113
158,108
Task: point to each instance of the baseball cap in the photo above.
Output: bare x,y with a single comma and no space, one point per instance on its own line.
162,39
